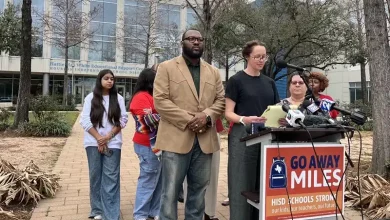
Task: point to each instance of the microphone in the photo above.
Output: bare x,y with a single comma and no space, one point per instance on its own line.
357,117
284,64
311,107
294,118
317,120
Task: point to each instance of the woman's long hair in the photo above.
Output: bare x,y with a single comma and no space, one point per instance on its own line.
97,107
145,82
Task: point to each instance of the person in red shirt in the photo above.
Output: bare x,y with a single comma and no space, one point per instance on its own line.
149,187
318,83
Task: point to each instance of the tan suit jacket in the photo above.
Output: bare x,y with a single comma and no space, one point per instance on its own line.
175,96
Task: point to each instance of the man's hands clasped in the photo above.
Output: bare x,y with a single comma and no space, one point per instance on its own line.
198,123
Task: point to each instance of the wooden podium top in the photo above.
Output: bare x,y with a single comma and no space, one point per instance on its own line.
297,134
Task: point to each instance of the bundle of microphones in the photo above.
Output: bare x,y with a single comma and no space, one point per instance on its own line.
317,114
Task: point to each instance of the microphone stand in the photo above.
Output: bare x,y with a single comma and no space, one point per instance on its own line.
309,90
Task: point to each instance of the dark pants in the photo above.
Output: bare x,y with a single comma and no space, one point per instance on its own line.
243,174
196,166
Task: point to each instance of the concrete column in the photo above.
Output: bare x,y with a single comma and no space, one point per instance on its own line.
46,79
84,46
120,15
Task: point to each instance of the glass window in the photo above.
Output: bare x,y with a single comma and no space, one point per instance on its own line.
133,52
57,52
103,46
109,11
37,46
96,28
131,2
6,90
192,18
95,50
2,5
355,91
99,7
174,19
109,29
37,6
109,49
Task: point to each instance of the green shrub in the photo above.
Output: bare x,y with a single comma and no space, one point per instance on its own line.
5,115
49,128
48,103
359,106
3,126
48,121
368,126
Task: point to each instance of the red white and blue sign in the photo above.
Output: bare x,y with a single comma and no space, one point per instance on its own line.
306,177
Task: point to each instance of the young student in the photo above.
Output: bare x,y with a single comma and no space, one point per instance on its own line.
148,194
103,117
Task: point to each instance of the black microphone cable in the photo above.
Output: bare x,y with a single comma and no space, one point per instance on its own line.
323,174
358,172
288,194
358,168
346,167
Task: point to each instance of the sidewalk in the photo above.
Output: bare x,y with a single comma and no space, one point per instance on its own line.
72,200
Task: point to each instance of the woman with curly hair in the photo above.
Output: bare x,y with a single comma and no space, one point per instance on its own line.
318,83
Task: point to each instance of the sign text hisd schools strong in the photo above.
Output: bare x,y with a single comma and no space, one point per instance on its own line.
300,170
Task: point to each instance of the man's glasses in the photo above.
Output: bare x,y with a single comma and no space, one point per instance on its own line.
258,58
193,39
297,82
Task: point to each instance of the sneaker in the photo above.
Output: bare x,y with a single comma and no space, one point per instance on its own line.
98,217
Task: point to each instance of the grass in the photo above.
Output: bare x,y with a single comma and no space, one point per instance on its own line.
70,117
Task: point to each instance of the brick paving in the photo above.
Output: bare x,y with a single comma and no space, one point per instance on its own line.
72,200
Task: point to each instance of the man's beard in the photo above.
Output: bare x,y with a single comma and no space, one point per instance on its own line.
189,53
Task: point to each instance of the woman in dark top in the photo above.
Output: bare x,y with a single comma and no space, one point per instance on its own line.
248,94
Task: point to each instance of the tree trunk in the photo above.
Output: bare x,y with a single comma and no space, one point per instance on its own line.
25,66
362,53
379,61
208,48
363,82
65,92
149,35
147,51
226,67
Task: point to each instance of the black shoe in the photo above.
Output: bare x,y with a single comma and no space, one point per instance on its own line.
180,199
206,217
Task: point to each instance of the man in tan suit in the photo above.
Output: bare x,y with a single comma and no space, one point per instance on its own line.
189,95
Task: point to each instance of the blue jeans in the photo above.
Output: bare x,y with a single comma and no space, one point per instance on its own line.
104,183
196,165
148,195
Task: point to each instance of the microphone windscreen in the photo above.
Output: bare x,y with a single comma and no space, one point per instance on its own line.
315,120
285,107
281,63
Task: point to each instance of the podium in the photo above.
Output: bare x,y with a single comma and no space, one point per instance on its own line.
291,170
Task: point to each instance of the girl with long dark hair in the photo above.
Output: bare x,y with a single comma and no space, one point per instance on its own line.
147,198
103,117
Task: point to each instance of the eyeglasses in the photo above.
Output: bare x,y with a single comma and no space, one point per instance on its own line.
193,39
258,58
297,82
